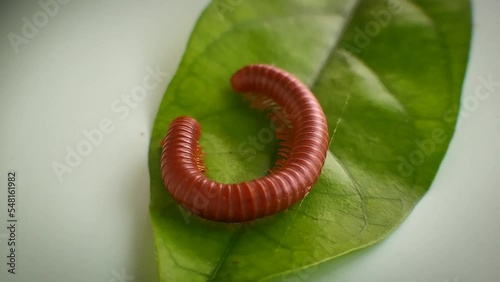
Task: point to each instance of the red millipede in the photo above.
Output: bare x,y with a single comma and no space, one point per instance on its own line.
303,133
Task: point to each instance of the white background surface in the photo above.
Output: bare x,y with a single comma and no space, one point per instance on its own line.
94,225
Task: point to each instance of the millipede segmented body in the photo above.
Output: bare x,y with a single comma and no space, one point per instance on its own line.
303,133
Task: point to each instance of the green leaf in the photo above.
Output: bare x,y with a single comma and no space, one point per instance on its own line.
388,75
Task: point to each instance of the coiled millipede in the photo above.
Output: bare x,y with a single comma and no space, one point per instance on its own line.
301,128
